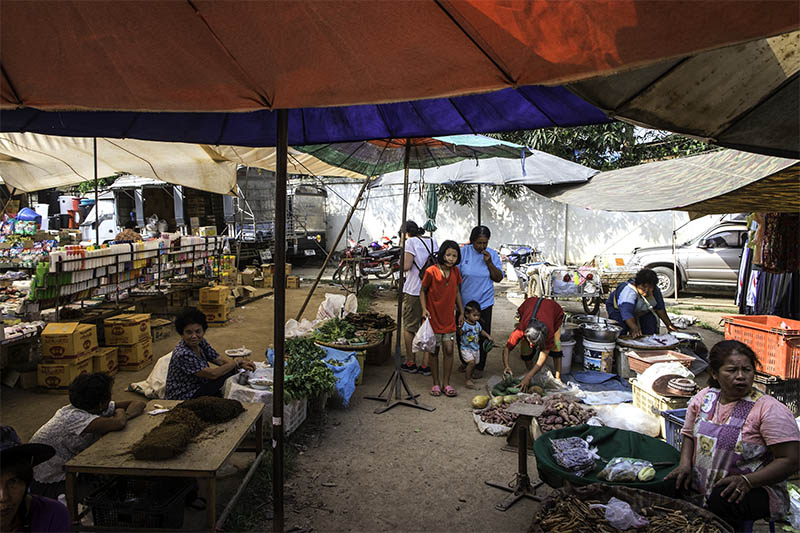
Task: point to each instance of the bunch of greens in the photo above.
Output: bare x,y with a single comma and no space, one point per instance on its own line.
334,330
307,375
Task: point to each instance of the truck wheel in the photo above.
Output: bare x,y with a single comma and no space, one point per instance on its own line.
666,280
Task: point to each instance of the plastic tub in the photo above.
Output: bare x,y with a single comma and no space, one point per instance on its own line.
598,355
567,348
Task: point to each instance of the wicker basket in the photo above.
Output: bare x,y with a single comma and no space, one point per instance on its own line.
638,500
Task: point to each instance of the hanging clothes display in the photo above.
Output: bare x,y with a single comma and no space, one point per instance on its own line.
769,272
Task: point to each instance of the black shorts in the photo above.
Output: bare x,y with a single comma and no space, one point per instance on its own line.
553,353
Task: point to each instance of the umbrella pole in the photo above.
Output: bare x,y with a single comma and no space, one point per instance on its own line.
279,287
479,205
333,248
397,382
96,203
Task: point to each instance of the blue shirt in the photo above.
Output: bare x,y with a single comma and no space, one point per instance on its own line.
182,384
630,304
477,285
471,336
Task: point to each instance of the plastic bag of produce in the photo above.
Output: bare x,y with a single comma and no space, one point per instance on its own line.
627,469
620,515
574,454
424,340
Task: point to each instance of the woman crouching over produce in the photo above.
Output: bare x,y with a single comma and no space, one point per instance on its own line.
739,445
196,369
540,324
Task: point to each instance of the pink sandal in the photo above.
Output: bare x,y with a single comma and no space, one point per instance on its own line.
450,392
436,391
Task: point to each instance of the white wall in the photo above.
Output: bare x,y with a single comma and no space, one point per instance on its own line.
531,219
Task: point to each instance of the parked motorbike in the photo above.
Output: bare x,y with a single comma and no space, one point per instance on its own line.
359,262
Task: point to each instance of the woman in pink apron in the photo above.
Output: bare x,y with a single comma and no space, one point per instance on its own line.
739,445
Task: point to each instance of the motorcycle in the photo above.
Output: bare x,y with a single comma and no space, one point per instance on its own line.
359,262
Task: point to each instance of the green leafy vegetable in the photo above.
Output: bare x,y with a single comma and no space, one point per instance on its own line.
307,375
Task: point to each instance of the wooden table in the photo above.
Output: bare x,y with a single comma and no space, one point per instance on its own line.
110,455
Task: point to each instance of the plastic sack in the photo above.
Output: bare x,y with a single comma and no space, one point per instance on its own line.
496,430
626,416
298,329
425,339
627,469
653,372
155,386
337,305
346,373
620,515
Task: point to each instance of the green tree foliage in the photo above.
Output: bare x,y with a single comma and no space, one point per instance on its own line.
601,146
86,187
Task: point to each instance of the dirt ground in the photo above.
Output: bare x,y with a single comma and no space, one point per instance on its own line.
403,470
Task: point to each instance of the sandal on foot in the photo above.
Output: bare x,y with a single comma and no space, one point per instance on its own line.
450,391
436,391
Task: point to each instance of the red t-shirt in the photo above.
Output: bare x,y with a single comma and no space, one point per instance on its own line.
440,295
550,314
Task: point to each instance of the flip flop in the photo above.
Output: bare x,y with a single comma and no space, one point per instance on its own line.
450,392
436,391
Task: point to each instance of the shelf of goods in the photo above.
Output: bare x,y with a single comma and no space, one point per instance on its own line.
75,272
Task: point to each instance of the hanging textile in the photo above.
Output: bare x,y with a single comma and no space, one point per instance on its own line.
780,247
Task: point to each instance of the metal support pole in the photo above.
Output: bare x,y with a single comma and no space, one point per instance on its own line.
96,202
333,248
566,230
675,257
397,382
279,288
479,205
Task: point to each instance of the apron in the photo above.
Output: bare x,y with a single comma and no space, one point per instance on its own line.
720,452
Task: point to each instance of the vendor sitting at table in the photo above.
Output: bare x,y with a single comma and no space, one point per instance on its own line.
196,369
90,414
637,304
540,322
739,445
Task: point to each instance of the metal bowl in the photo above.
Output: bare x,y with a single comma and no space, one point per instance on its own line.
600,332
592,319
569,331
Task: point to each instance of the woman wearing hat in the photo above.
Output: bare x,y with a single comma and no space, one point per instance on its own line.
739,445
19,510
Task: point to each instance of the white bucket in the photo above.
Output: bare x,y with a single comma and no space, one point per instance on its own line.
566,361
598,355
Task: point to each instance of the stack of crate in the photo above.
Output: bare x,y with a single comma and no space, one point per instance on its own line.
215,303
268,272
67,350
130,334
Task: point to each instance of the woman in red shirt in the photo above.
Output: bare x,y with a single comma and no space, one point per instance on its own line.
440,297
540,325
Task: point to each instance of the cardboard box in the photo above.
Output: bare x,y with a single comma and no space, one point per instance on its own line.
268,269
248,275
160,328
258,283
136,367
28,380
128,328
269,281
59,375
215,313
292,282
105,360
214,295
248,291
68,340
134,354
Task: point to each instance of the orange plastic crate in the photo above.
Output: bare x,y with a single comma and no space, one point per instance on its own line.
777,348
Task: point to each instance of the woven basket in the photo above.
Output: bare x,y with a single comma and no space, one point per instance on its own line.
636,498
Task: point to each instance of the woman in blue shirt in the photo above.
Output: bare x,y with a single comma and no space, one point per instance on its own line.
480,268
637,304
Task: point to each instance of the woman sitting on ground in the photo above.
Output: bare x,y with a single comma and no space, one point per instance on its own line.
19,510
90,414
739,445
196,369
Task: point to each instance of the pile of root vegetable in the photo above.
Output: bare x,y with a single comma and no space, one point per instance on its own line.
561,412
570,513
499,414
370,320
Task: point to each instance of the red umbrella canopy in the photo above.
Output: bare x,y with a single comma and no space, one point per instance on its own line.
207,55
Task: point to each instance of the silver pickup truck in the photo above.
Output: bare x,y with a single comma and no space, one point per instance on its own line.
709,260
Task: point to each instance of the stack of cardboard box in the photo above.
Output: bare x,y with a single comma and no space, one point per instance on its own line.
268,272
130,333
106,359
67,350
216,303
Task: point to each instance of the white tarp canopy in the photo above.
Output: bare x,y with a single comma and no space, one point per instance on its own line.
31,162
540,169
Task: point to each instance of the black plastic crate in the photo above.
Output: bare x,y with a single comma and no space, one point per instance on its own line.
786,391
145,502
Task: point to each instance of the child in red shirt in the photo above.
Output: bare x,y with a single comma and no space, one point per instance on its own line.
440,297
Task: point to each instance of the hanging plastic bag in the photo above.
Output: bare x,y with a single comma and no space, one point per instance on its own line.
620,515
425,339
